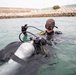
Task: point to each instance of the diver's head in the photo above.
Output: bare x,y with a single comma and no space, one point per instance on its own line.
50,24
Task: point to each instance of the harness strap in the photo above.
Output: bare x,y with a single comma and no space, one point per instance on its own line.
17,59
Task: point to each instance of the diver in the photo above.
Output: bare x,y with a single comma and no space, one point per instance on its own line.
49,34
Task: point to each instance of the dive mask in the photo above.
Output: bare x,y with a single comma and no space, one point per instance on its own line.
50,27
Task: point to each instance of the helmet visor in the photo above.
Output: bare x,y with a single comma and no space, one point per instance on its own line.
49,26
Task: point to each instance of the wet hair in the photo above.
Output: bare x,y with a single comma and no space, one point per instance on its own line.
50,24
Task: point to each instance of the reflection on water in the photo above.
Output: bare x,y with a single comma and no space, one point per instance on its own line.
63,62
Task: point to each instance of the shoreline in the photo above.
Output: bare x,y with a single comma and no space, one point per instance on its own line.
40,15
62,12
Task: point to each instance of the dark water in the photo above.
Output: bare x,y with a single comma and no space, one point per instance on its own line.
66,50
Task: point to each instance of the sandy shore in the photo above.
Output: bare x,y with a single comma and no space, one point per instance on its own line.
39,13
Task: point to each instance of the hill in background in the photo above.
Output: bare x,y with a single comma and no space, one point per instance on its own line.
70,5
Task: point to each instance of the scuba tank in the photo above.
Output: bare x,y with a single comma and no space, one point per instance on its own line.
25,50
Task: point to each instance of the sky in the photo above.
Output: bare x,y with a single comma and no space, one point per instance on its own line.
35,3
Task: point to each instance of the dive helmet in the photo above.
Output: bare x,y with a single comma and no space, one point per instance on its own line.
50,24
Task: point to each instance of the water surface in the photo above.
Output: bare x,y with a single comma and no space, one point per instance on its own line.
66,51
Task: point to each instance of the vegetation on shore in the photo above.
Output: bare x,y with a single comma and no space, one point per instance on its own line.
56,7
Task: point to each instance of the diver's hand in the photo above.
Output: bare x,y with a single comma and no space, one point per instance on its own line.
44,42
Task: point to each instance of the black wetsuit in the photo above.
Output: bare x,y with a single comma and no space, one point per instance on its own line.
52,37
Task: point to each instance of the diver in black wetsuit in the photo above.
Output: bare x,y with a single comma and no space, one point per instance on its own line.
49,34
50,24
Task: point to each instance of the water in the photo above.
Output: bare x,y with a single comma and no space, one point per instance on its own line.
66,51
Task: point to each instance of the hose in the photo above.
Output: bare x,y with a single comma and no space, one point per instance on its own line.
26,32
